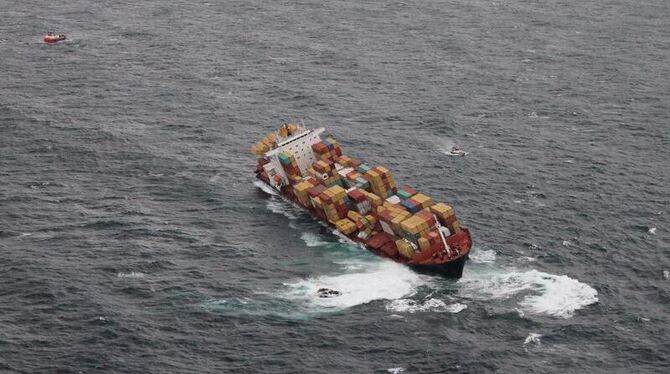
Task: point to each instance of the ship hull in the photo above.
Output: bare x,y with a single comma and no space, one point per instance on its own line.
451,269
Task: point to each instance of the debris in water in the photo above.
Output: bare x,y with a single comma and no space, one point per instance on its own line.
532,338
327,292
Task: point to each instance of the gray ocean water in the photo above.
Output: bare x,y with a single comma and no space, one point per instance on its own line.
133,238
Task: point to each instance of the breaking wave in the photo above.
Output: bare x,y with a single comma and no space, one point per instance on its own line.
278,206
532,338
132,274
384,280
430,305
313,240
543,293
483,256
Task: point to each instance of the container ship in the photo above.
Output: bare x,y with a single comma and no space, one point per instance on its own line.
362,201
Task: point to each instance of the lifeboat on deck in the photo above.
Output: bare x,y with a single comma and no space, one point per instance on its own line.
51,38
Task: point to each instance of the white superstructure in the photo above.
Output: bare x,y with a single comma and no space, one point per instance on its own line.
300,145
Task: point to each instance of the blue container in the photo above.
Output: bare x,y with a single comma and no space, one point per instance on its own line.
411,206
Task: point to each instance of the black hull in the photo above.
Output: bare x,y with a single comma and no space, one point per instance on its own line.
453,269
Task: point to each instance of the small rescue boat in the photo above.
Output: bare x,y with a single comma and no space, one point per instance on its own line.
51,38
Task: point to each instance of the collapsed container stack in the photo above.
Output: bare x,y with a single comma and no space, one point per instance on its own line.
290,166
333,203
381,181
390,218
327,150
301,191
267,143
446,216
288,130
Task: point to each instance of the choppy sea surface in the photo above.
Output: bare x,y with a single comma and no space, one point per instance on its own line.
134,240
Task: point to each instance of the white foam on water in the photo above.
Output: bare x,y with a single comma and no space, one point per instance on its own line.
281,207
483,256
430,305
383,280
532,338
411,306
353,265
554,295
652,230
566,243
397,370
666,274
132,274
265,188
456,307
312,239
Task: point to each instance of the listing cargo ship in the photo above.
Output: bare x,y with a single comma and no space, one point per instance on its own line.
362,201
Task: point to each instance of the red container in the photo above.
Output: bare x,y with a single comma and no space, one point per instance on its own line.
357,195
390,249
410,190
316,190
342,210
320,148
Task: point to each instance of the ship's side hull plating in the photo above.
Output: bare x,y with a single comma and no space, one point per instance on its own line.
452,269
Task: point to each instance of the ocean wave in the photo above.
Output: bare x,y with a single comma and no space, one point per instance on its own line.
281,207
483,256
430,305
313,240
384,280
554,295
132,274
532,338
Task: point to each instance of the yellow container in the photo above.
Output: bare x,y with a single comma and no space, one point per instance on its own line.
336,192
374,199
405,247
423,200
316,202
423,243
353,215
383,170
456,226
442,210
411,225
345,226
